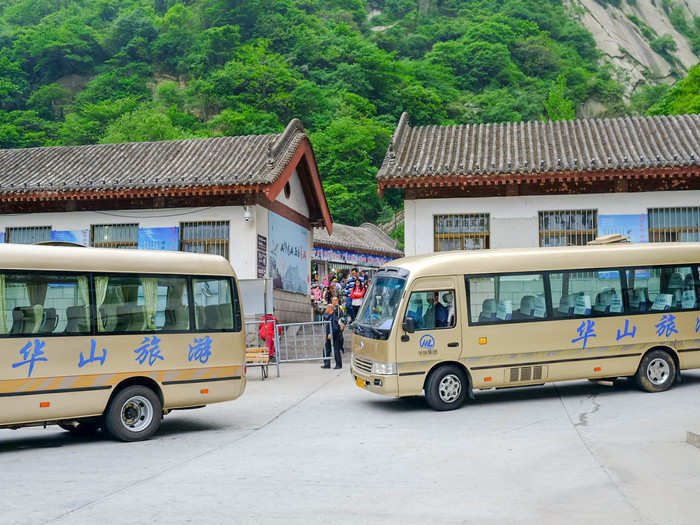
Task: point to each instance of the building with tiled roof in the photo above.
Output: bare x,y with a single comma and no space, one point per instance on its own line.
253,199
364,247
546,183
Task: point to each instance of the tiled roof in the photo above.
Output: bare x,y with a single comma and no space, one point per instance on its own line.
583,145
364,238
224,161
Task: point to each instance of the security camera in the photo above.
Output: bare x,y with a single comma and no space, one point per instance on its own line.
247,216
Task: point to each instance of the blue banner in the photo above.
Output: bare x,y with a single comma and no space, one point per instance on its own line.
81,237
350,257
164,239
636,227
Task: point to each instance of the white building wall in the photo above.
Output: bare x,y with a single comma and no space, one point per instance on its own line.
296,200
514,220
242,235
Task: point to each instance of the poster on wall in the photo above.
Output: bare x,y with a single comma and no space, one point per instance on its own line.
164,239
262,256
636,227
288,255
81,237
2,236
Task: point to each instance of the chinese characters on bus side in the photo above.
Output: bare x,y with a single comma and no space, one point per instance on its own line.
149,349
586,330
200,350
667,325
627,332
31,353
92,358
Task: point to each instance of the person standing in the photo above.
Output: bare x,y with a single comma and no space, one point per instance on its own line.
356,296
341,320
333,337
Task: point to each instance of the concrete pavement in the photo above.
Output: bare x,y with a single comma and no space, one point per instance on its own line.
310,447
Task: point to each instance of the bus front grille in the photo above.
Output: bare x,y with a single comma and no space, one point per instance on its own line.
364,365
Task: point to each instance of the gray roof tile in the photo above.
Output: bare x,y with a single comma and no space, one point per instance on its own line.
365,238
227,161
541,147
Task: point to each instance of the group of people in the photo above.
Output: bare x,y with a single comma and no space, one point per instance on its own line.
337,301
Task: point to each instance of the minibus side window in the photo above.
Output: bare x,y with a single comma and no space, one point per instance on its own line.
432,309
660,289
213,304
507,298
143,303
43,304
586,293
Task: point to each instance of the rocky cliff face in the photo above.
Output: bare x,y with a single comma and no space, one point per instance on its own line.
631,35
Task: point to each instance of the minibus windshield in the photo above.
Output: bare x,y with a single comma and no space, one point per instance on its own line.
376,316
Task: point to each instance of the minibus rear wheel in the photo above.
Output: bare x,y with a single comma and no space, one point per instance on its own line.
134,414
446,388
656,372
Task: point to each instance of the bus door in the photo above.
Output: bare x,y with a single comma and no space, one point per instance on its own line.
433,306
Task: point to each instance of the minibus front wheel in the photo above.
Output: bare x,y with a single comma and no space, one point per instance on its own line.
133,414
446,388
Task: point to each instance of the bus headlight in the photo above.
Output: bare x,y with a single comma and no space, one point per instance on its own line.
385,369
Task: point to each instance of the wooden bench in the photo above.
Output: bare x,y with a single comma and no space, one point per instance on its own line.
258,357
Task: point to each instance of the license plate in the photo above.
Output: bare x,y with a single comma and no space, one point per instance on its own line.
360,382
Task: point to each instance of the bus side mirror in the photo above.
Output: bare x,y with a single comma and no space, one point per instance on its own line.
409,325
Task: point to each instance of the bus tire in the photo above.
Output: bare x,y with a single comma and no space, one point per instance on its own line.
446,388
134,414
81,428
656,372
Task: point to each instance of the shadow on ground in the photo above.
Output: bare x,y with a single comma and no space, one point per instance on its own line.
527,393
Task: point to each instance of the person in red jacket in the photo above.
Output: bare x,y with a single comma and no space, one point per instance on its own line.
267,332
356,295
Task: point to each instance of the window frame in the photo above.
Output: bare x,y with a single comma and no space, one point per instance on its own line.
226,243
127,245
695,268
486,235
235,302
9,229
569,233
669,231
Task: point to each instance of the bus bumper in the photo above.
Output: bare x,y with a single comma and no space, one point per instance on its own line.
387,385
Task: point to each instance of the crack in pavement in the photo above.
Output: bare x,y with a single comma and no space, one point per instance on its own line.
583,416
193,458
598,462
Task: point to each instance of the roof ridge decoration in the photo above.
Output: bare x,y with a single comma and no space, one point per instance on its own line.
481,153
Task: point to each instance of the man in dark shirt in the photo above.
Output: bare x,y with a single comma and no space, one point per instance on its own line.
333,335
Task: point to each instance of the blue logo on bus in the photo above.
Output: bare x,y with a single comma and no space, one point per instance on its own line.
427,342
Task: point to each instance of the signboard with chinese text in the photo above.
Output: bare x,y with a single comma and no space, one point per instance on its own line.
288,255
164,239
81,237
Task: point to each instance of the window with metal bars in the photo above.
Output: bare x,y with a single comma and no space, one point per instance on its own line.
674,224
114,236
28,235
205,237
568,227
461,232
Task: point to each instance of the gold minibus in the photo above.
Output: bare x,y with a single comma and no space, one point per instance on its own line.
454,322
115,339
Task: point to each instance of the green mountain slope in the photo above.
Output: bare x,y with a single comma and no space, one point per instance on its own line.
85,71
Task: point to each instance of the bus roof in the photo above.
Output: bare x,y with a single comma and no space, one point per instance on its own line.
503,260
64,258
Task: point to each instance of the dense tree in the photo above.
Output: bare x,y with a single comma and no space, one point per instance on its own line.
88,71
